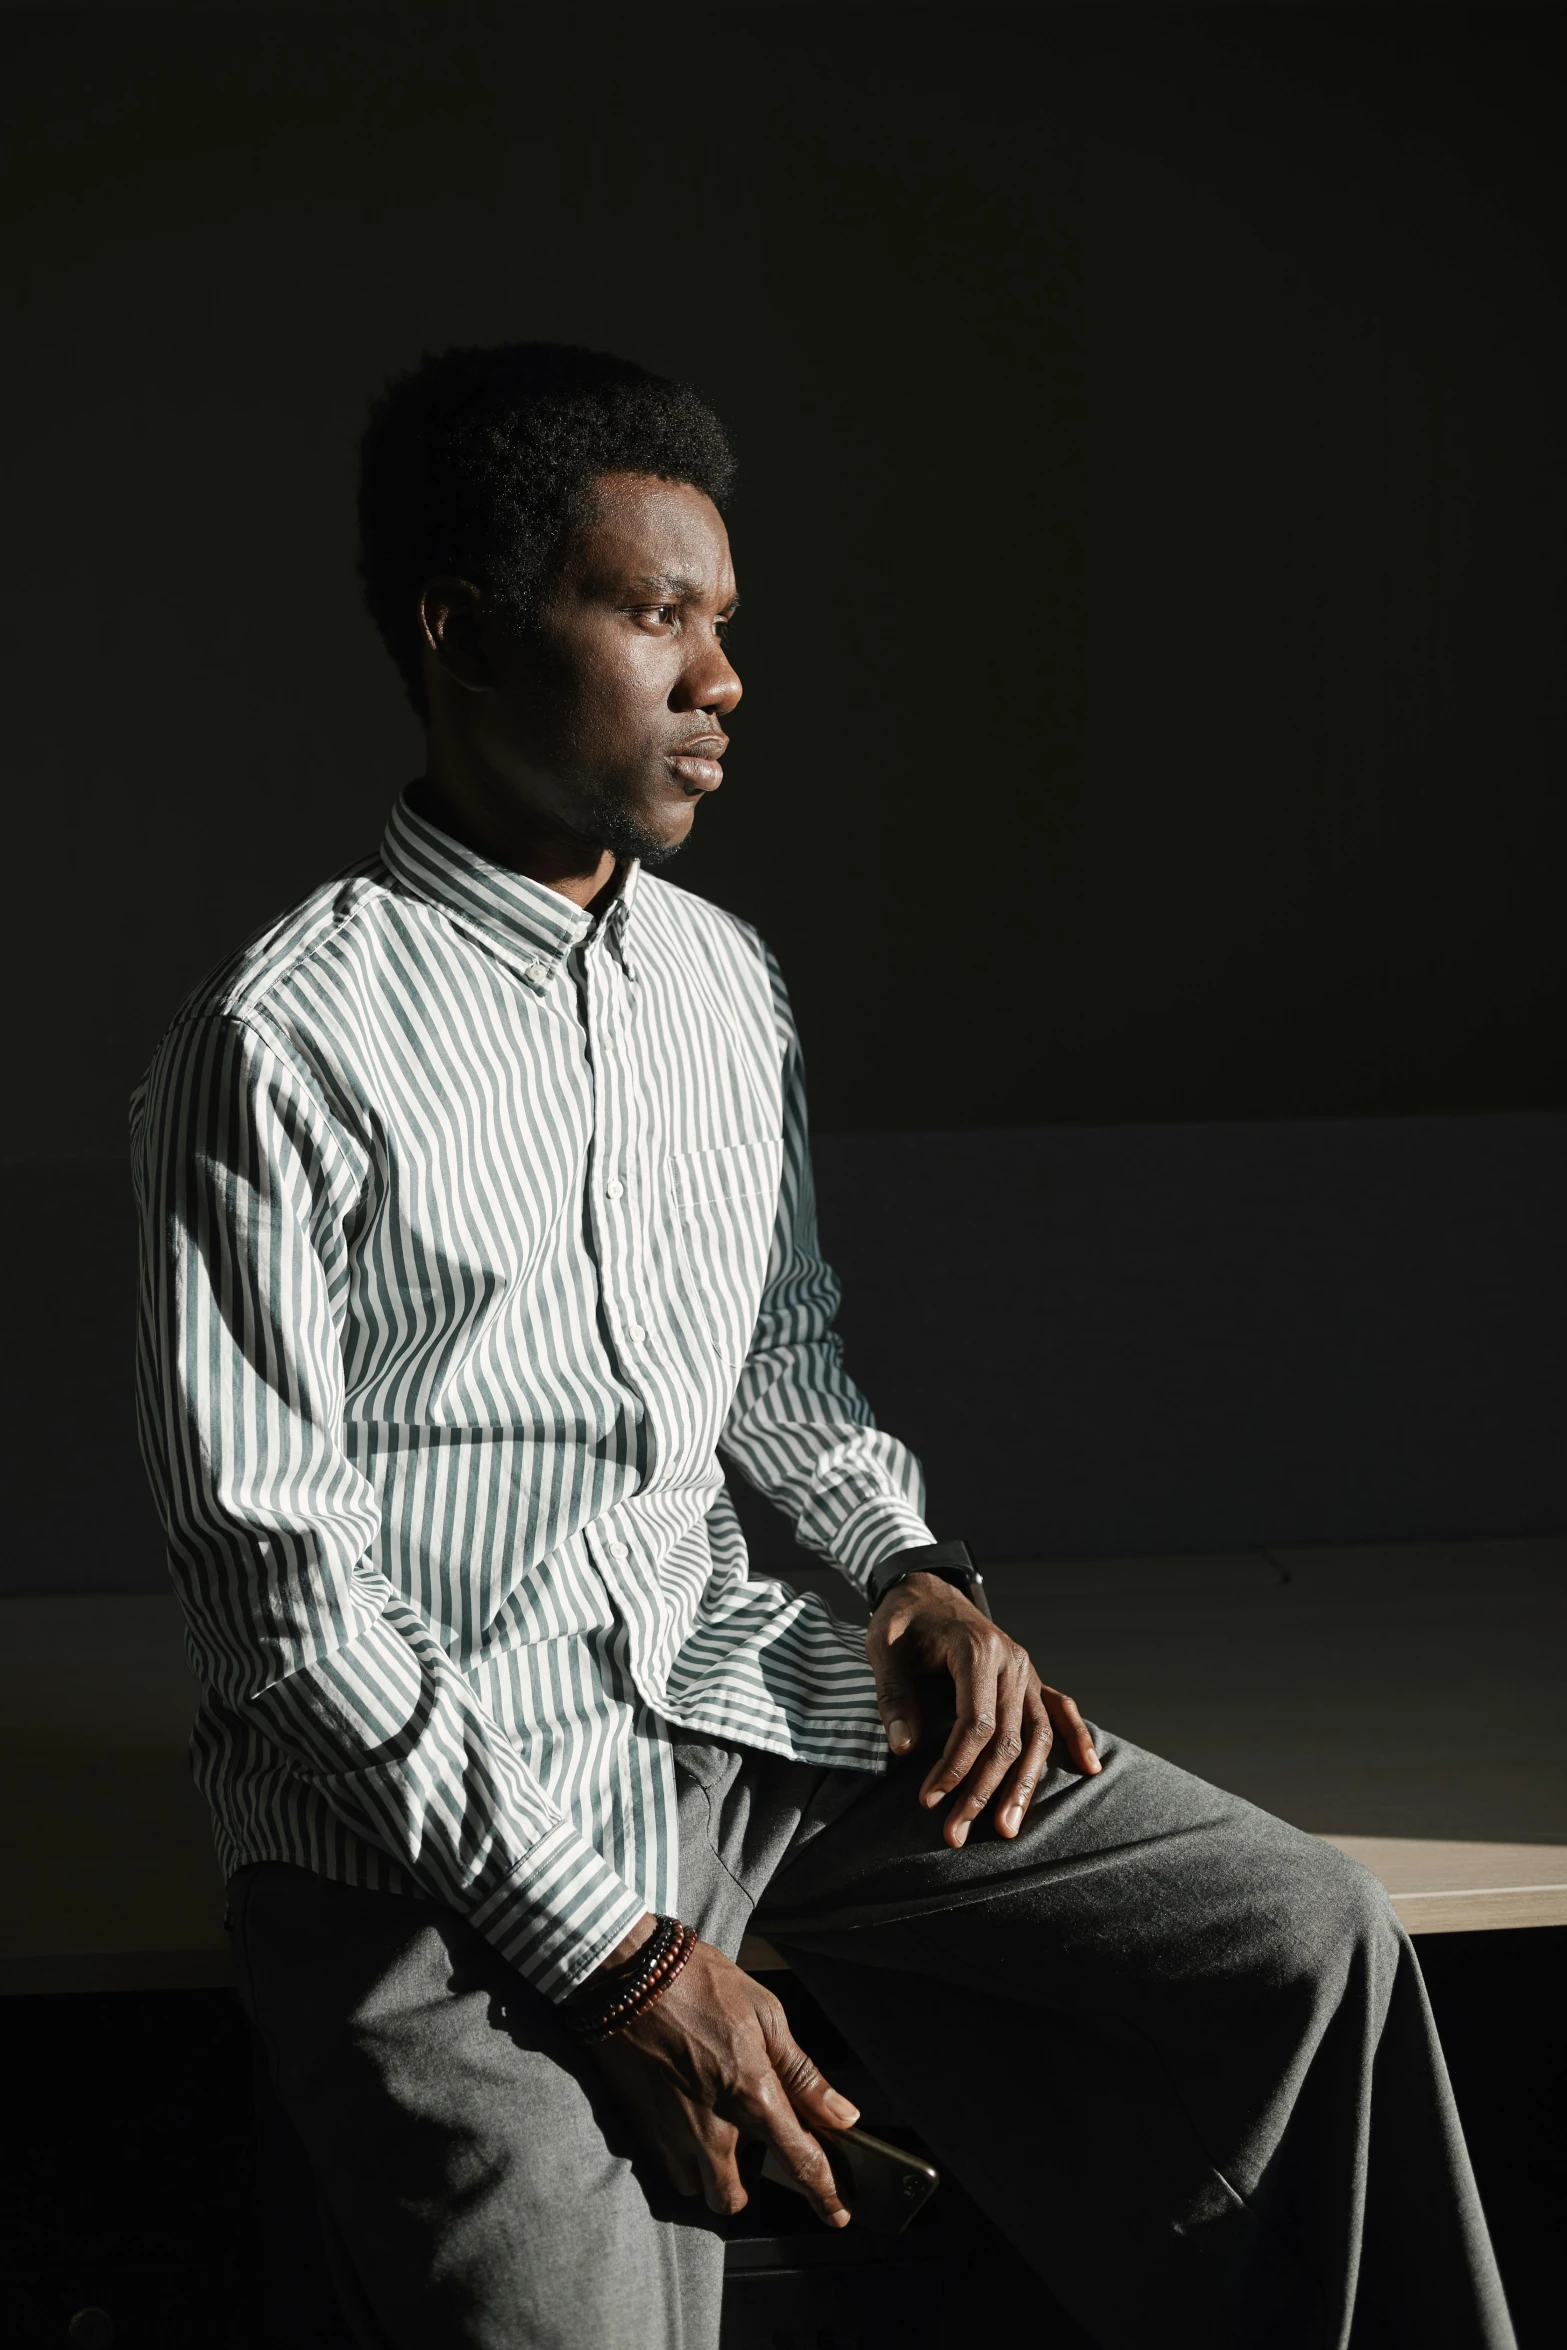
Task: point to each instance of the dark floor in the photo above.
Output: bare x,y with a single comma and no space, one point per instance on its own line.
125,2172
126,2181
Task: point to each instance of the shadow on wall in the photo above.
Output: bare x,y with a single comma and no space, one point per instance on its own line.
1099,1340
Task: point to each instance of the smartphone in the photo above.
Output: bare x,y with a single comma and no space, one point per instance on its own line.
883,2186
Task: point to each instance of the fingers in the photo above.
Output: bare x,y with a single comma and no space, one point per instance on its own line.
1077,1744
975,1660
1016,1719
809,2096
1007,1720
1017,1790
1051,1723
1008,1723
707,2162
681,2164
768,2088
770,2115
715,2146
895,1699
697,2159
764,2104
1018,1749
806,2088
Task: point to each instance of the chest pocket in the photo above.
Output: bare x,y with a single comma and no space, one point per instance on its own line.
723,1206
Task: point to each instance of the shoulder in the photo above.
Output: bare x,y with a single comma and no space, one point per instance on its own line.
307,983
292,994
740,967
262,979
679,918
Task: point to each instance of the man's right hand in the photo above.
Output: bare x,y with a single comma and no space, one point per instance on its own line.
712,2064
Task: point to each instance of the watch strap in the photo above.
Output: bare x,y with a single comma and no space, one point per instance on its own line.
949,1561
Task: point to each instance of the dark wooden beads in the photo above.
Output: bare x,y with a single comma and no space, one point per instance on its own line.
632,1992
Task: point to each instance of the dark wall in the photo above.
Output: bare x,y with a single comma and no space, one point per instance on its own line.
1151,527
1112,1339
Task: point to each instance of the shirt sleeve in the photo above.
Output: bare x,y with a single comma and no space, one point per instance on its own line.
246,1193
799,1429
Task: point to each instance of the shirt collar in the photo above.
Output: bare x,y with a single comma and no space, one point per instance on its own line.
535,928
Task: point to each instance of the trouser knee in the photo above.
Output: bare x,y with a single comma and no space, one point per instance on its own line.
1342,1915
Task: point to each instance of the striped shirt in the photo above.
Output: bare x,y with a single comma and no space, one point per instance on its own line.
473,1231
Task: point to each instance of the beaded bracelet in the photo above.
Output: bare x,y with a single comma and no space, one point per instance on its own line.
628,2010
602,1992
643,1989
661,1958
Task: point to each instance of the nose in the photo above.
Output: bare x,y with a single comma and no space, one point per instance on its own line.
709,681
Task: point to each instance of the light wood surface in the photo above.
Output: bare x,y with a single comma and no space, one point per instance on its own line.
1466,1888
1437,1888
1407,1704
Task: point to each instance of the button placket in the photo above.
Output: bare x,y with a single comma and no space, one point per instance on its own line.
617,1252
632,1174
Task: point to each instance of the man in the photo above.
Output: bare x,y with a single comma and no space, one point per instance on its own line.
478,1224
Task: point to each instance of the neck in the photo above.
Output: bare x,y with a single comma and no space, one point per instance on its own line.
464,801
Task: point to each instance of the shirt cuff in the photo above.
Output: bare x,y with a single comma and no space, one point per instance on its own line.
872,1532
558,1913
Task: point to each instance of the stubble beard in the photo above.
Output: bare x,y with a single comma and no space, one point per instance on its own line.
608,821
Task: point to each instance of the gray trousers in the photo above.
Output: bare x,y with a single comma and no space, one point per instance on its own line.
1179,2052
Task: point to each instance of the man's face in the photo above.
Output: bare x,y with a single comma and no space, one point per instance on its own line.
606,723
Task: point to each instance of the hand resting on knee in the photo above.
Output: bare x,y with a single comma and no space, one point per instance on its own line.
1007,1722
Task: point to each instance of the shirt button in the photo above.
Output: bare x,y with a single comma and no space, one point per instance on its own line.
537,970
635,1330
620,1550
613,1190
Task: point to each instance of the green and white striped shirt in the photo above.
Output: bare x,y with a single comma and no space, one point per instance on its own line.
472,1232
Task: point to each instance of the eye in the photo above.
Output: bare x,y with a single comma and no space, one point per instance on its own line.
659,615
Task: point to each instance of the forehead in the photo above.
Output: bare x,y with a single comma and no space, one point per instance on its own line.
641,529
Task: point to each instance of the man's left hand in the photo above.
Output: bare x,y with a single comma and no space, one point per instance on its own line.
1007,1718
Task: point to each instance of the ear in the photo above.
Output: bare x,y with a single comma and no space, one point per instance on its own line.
452,616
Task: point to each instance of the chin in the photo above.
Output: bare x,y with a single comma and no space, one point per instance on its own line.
627,835
641,819
660,849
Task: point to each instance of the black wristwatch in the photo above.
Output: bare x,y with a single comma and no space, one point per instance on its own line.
949,1561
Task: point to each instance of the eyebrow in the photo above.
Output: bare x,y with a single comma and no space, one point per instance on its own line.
679,590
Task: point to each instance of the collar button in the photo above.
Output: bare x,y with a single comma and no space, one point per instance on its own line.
538,970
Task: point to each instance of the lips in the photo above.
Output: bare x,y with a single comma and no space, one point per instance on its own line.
699,764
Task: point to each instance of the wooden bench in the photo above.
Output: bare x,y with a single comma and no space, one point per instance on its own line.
1437,1888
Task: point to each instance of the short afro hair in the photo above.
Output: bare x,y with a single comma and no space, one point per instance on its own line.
479,463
